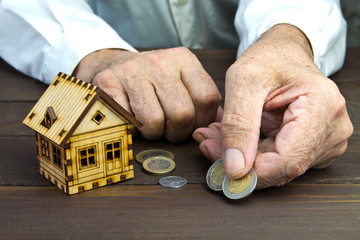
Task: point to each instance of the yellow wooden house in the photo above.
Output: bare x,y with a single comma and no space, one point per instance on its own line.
83,136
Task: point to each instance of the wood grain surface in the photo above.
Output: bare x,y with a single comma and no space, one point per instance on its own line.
321,204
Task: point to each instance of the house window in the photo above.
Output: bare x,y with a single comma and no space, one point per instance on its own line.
57,156
44,144
98,117
87,156
113,151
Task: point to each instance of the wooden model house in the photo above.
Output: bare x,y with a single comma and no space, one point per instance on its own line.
83,136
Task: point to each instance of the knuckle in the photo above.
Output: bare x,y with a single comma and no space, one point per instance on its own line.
154,122
338,109
153,57
244,72
129,68
185,54
334,96
183,117
103,76
153,127
325,164
231,70
339,104
158,56
341,149
207,99
182,50
341,101
347,128
296,168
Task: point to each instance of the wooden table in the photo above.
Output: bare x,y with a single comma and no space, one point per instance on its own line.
321,204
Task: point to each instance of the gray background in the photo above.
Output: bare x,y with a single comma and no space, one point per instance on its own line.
351,11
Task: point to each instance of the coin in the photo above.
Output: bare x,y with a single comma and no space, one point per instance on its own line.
215,175
142,156
158,165
172,182
240,188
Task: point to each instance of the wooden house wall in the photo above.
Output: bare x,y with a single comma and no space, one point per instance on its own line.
111,118
103,172
47,167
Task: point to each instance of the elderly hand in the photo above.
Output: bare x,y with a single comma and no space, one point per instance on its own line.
168,91
276,89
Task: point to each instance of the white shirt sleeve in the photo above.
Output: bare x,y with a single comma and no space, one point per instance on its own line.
320,20
43,37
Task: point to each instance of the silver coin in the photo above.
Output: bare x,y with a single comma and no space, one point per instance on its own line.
240,188
215,175
172,182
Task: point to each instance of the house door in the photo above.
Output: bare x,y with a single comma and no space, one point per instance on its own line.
113,157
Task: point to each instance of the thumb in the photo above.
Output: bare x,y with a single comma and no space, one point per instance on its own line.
241,126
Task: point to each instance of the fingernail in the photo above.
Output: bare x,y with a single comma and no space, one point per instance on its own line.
234,161
198,137
204,151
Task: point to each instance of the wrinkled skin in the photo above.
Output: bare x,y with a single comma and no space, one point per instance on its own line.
168,91
274,87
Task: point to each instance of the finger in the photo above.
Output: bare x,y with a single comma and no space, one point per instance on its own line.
328,157
211,149
295,145
204,95
241,124
141,98
178,108
217,126
269,168
202,90
113,88
121,98
116,92
219,114
211,132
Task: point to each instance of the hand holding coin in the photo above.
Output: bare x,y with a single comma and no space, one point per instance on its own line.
232,188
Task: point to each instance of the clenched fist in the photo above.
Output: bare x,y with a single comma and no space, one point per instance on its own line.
168,91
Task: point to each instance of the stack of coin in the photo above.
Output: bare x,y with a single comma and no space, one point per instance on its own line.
160,162
156,161
158,165
142,156
233,189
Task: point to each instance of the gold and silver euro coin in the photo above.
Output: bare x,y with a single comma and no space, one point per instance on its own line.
158,165
215,175
240,188
142,156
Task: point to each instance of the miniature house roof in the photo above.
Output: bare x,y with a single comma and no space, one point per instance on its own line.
64,104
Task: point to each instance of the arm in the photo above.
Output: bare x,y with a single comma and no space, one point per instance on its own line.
42,37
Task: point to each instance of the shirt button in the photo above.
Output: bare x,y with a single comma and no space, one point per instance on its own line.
181,2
